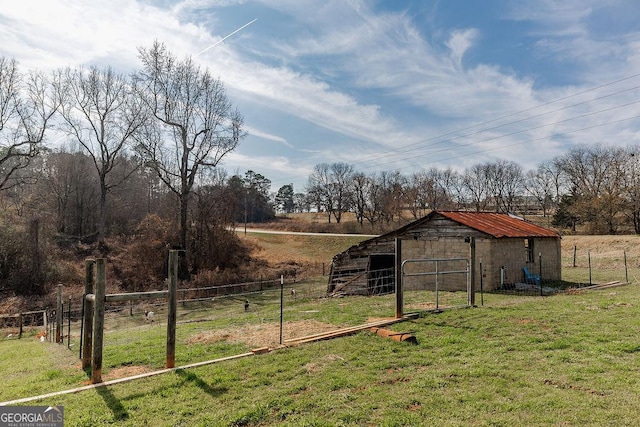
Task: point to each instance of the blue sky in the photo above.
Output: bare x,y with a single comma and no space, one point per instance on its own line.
383,85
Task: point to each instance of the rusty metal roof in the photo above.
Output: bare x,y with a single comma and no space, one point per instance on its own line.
498,224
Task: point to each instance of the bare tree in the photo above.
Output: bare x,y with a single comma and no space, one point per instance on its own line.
318,189
540,184
196,124
417,193
597,176
27,105
372,191
429,190
632,187
505,182
359,184
392,191
451,183
102,113
341,174
475,185
330,185
69,190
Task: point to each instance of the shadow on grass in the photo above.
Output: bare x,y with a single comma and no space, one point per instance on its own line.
119,411
200,383
113,403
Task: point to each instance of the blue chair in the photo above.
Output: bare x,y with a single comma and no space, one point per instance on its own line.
531,278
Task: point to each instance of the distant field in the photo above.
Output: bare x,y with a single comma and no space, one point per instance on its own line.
276,248
607,253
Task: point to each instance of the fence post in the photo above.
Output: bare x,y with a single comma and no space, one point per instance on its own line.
69,324
626,271
98,321
472,290
281,305
20,322
481,284
44,320
87,318
540,270
59,316
589,256
399,291
173,307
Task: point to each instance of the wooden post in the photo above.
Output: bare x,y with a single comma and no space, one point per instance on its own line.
87,318
472,287
399,291
20,322
98,321
44,320
69,324
59,316
540,271
281,305
481,282
589,261
173,308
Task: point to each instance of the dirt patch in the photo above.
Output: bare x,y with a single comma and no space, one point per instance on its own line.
265,334
125,371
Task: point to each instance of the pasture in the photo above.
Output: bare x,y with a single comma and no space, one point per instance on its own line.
570,359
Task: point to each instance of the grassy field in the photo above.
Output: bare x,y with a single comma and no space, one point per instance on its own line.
570,359
563,360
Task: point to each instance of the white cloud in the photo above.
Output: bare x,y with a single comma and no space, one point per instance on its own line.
352,71
460,42
265,135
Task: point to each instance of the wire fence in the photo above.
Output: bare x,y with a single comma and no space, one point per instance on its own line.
583,267
219,321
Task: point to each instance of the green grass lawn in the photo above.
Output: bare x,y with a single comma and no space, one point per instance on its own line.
570,359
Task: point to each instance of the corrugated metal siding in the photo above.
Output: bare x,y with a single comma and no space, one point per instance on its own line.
499,225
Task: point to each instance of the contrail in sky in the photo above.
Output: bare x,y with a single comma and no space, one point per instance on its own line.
225,37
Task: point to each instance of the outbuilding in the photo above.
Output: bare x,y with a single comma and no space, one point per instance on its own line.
509,250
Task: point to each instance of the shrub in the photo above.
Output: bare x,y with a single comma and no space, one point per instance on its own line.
24,266
144,264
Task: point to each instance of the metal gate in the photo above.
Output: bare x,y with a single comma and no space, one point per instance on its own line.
435,293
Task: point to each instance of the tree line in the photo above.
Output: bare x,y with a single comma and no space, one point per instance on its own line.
139,153
144,143
594,187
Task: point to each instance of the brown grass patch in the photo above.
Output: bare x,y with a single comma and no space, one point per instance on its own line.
264,334
125,371
605,246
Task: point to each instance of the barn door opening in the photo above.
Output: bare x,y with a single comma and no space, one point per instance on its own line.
381,277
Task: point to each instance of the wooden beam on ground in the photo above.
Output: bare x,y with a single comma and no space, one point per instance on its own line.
343,332
122,380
